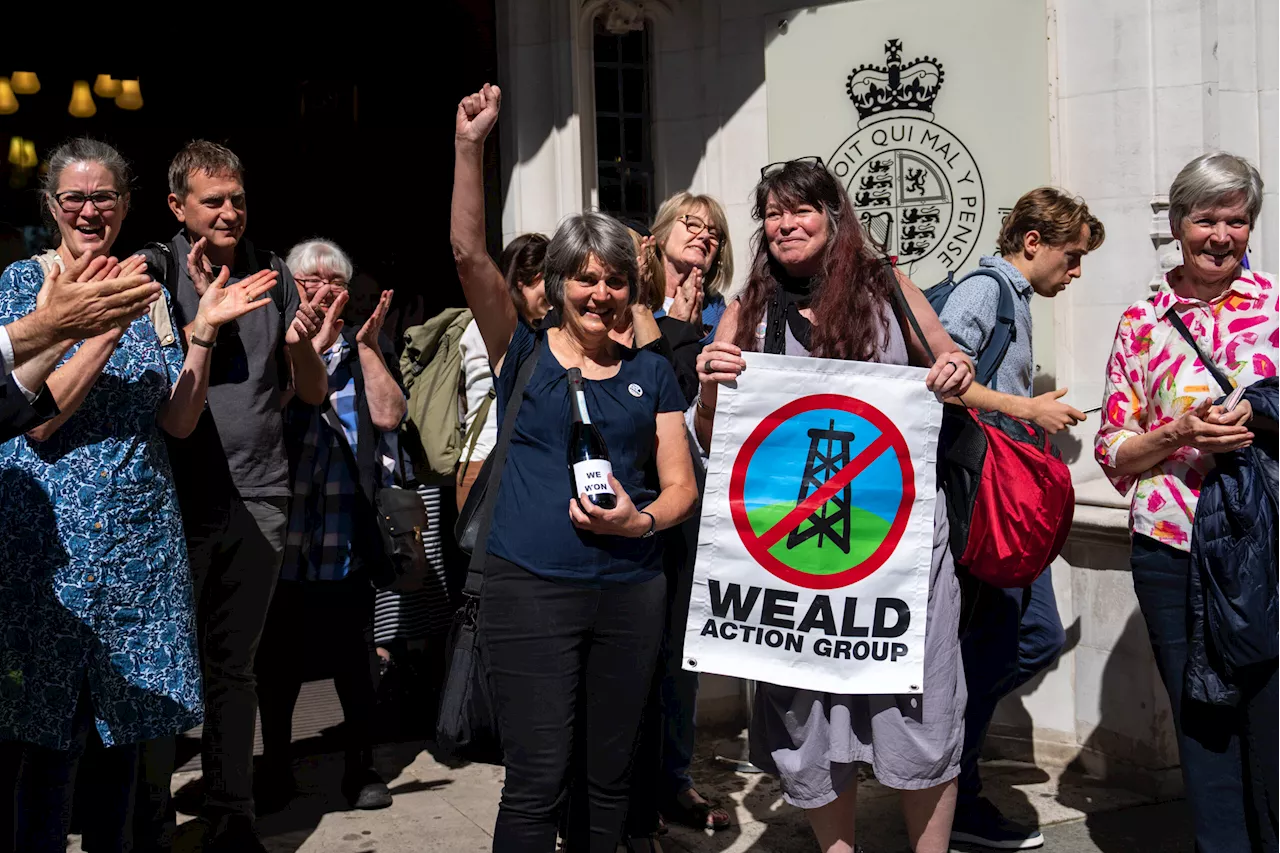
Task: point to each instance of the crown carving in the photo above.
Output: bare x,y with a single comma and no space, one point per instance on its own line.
878,89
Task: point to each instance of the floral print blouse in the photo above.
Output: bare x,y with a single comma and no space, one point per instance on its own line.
95,587
1154,377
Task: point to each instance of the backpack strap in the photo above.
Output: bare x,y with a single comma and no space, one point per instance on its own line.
992,355
169,258
475,569
161,318
472,438
277,292
1221,378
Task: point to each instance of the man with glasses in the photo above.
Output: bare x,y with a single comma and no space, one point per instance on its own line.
232,476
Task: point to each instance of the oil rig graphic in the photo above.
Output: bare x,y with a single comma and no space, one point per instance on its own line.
831,520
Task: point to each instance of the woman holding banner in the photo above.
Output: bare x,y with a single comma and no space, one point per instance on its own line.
816,288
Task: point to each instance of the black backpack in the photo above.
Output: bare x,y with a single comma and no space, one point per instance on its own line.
169,258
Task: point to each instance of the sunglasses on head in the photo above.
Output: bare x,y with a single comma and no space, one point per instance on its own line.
812,162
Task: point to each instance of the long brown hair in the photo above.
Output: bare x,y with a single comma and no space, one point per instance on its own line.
852,289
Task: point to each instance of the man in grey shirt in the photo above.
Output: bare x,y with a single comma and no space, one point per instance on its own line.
1013,634
232,476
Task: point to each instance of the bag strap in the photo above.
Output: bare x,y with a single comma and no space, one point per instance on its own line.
475,570
398,479
1223,382
472,438
904,310
992,356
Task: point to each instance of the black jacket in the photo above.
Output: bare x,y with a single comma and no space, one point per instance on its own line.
684,341
1231,594
17,415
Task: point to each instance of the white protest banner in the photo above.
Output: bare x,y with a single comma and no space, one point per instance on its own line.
817,527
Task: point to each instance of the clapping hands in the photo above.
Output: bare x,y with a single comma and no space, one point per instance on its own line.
221,303
96,295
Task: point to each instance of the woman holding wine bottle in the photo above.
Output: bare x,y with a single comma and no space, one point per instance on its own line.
816,288
574,596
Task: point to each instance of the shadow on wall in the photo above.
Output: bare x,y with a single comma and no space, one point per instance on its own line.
1134,720
545,110
1016,726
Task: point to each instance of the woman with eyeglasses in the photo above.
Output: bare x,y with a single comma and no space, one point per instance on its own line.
816,288
95,589
690,261
686,264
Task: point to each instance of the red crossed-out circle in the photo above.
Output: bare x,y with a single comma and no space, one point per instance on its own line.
891,438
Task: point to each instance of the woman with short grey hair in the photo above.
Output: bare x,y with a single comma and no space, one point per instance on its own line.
574,596
316,263
1162,424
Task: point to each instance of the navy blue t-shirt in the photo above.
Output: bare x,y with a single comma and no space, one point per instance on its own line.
531,525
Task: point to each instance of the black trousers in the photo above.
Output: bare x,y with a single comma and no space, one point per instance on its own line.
1012,636
570,669
236,547
314,629
661,769
40,783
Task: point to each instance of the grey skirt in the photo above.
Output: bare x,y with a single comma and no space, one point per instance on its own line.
813,741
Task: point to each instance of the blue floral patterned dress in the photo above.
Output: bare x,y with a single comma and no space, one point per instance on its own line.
94,581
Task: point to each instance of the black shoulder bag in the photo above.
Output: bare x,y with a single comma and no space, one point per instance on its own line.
400,517
1218,376
467,725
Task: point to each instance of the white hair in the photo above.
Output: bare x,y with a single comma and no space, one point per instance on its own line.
1210,178
319,256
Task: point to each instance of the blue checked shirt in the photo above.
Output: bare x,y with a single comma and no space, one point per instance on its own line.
322,512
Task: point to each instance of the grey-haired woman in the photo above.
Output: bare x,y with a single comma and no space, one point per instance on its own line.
1161,431
574,596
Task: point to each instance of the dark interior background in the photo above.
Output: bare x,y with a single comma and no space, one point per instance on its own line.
360,151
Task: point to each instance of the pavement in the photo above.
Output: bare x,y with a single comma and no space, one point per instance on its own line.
442,806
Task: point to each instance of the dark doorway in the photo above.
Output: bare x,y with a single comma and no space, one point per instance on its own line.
352,144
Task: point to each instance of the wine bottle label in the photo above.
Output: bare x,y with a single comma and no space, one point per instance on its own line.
592,477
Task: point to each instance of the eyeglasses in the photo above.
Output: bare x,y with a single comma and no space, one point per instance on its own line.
695,226
310,282
73,202
774,168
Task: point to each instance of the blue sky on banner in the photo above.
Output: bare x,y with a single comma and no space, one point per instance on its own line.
777,467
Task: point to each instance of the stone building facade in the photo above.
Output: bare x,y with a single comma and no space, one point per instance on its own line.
1133,89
